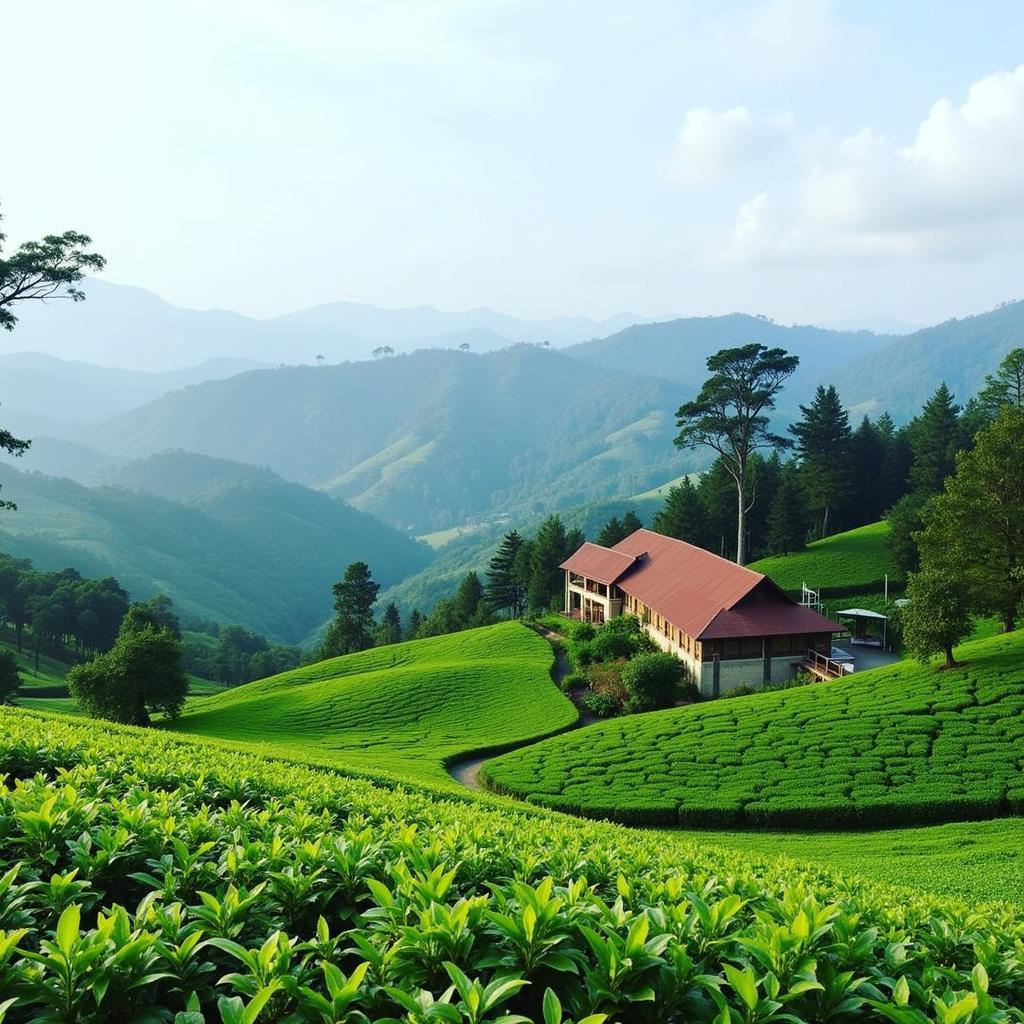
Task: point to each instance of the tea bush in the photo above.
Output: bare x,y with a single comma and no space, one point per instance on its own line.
145,877
896,745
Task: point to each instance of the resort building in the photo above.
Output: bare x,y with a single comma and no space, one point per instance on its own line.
729,625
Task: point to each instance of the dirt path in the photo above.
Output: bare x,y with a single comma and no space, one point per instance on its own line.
466,770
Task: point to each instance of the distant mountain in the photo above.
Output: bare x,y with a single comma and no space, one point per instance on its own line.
874,324
901,376
678,349
44,394
242,545
120,325
432,439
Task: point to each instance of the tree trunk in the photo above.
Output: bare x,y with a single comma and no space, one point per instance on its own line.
950,660
741,523
1009,622
824,523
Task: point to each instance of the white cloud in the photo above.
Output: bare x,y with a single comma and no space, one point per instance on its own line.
712,144
955,192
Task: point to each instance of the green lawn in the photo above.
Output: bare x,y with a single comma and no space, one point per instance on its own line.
406,709
844,563
890,746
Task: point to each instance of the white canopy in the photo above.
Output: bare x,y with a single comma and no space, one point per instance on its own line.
862,613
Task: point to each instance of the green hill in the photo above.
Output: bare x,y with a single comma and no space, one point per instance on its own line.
846,563
309,878
432,439
255,549
889,746
405,710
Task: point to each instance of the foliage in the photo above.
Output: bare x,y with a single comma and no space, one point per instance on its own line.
10,680
234,654
550,547
682,516
787,517
467,608
905,522
1005,386
602,704
652,681
889,746
406,709
937,617
617,529
935,438
142,877
139,675
975,529
505,589
390,629
352,628
621,637
729,415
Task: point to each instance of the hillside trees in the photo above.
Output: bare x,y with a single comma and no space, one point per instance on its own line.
652,681
682,516
551,546
10,681
935,438
390,629
787,517
352,628
139,676
1005,386
974,530
823,449
467,608
729,415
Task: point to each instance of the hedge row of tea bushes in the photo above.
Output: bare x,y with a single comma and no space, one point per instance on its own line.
407,708
896,745
148,878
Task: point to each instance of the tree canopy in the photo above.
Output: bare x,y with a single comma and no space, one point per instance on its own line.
353,627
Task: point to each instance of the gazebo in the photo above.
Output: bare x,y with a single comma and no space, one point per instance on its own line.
864,625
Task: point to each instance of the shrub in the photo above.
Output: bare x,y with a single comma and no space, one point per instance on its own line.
10,681
604,705
652,681
575,681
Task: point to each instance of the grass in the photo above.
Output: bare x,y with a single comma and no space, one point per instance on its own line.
846,563
891,746
406,709
323,872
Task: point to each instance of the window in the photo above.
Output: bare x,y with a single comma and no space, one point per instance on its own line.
732,648
751,647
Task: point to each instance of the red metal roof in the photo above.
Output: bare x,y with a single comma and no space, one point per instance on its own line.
767,620
604,565
696,591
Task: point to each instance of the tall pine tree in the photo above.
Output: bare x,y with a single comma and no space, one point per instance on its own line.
549,549
611,533
390,629
787,519
935,438
353,627
823,448
682,515
504,589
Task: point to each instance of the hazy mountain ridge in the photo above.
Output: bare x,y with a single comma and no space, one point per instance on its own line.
243,546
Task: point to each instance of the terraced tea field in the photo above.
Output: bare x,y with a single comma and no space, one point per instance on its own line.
271,891
405,709
892,746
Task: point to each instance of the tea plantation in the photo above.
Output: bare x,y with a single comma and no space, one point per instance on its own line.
150,877
892,746
406,709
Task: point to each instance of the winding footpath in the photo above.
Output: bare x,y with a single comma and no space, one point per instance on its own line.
466,770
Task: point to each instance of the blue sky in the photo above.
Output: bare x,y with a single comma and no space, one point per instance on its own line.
807,159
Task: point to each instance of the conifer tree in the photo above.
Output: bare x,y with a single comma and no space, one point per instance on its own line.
682,516
611,533
1005,386
390,629
470,606
867,483
353,627
935,438
504,589
550,548
787,520
631,522
823,448
415,621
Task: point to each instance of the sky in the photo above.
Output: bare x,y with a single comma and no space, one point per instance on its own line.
811,160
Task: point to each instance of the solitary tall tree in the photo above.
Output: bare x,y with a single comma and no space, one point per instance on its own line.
353,627
823,447
729,416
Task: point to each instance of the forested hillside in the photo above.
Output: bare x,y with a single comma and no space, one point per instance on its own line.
258,550
429,440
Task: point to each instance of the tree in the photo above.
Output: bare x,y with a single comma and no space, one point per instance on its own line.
140,675
13,446
729,416
10,681
937,615
611,533
352,628
867,463
155,612
935,438
49,268
1005,386
975,529
390,631
682,516
787,517
470,605
631,522
415,622
504,589
823,448
717,494
652,681
549,549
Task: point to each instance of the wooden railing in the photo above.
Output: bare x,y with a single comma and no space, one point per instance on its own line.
824,666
